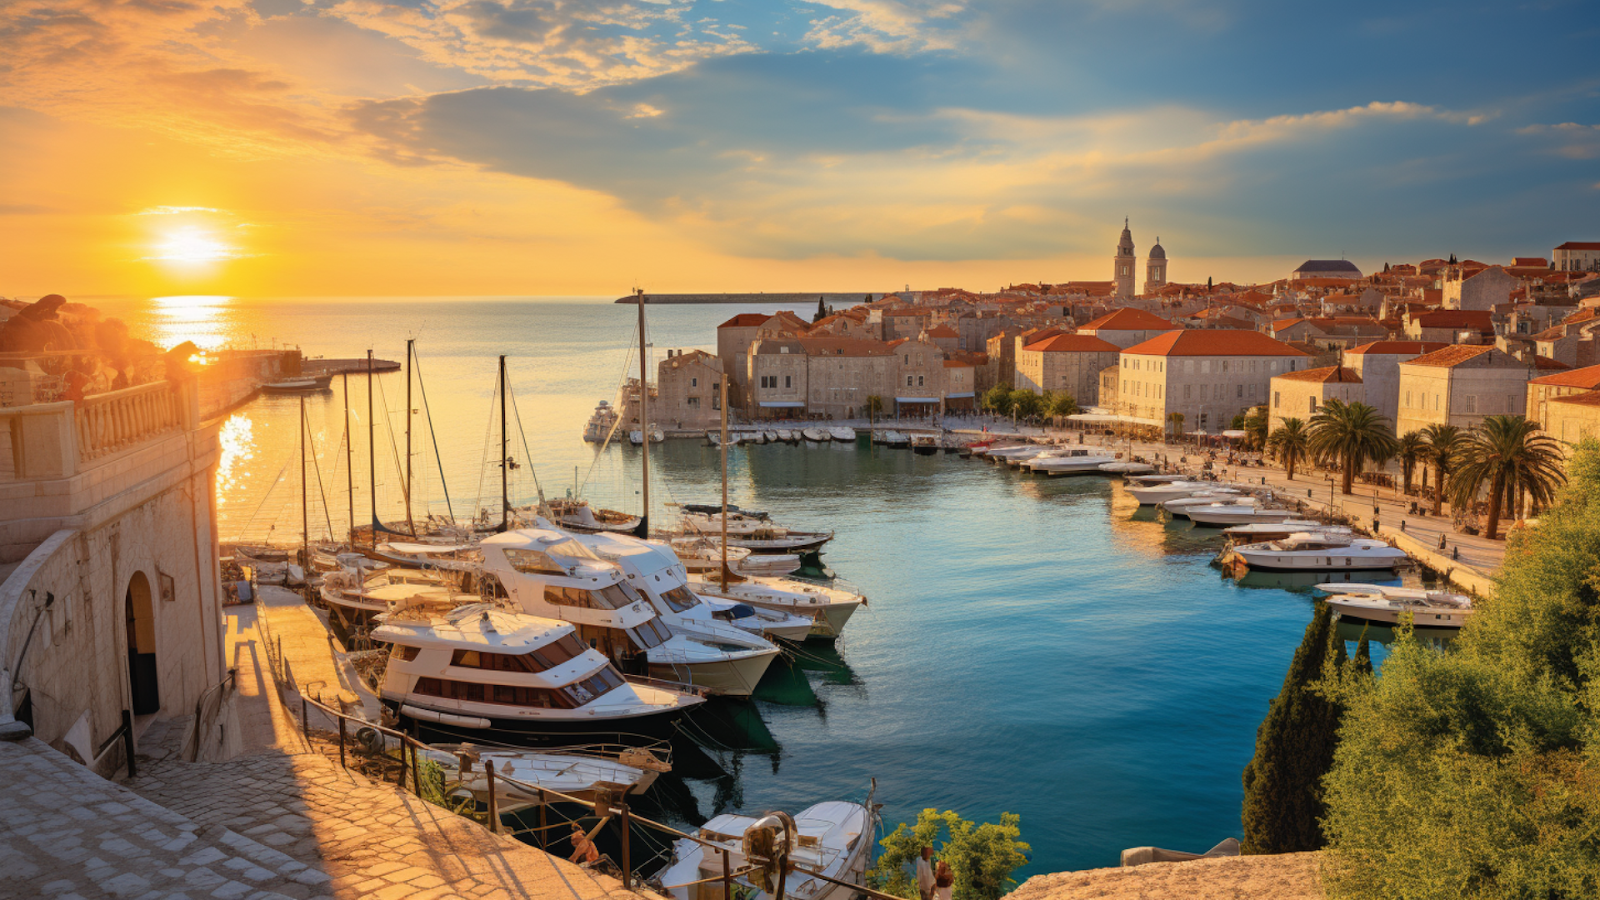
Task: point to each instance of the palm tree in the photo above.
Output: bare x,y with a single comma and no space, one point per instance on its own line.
1410,448
1350,435
874,405
1290,442
1444,444
1510,454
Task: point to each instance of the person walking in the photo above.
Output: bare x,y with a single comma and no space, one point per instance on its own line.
925,877
944,881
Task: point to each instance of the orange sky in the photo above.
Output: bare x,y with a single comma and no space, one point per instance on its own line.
270,148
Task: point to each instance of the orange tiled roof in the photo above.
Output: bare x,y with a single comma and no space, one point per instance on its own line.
1213,342
843,346
1325,375
1129,319
944,331
1588,398
1453,355
1073,343
1397,348
745,320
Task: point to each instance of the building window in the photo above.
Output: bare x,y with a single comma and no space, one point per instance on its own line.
1313,404
908,381
919,381
1239,391
1472,403
1186,392
694,402
1277,399
788,381
694,382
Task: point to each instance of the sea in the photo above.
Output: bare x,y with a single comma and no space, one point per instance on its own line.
1036,646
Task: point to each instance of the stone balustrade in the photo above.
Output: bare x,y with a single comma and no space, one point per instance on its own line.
107,423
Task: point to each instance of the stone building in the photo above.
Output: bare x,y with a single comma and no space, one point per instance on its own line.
1482,290
1122,265
1207,376
688,391
1572,341
1127,326
1298,395
1572,418
776,374
1325,268
1547,388
920,382
1450,325
111,599
1155,269
1066,362
734,338
841,373
1378,364
1460,385
1576,256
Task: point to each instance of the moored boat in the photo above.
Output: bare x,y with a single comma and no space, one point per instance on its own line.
842,434
835,839
1387,604
602,422
1319,552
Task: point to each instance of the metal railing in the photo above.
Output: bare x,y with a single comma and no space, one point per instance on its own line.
219,692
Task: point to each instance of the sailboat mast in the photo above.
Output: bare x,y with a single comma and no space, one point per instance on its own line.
724,383
409,523
305,514
349,463
505,462
372,453
644,416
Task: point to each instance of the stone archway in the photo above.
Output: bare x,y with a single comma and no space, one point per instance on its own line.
139,613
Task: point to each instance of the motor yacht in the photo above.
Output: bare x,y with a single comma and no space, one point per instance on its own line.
1156,494
828,608
1074,461
842,434
835,839
1154,478
1218,515
656,572
483,673
1320,552
602,422
759,535
1178,506
1386,604
550,573
1002,454
1127,469
1256,532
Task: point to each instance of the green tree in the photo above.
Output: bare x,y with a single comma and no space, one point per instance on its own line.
1283,804
1026,404
1063,404
998,400
822,312
1349,435
1475,773
1444,446
1255,428
1511,456
1176,421
1290,443
982,857
874,405
1410,447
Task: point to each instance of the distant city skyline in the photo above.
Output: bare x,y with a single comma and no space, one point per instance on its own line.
274,147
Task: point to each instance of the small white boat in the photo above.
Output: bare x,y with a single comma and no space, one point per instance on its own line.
1386,604
828,608
636,437
771,436
1256,532
580,775
1077,461
1177,505
1127,468
785,435
842,434
1149,479
1236,514
835,839
1156,494
1318,552
925,444
578,515
816,435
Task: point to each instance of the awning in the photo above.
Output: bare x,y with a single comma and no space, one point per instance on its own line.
916,399
1235,433
1108,419
782,404
959,396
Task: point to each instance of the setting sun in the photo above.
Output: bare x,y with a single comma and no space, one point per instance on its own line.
192,245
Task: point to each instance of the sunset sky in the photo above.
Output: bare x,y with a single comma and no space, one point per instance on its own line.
281,147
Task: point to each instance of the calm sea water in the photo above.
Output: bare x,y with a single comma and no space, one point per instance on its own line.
1033,646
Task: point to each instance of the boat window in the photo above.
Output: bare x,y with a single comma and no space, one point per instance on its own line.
533,562
509,695
495,662
612,597
573,549
649,633
404,653
601,682
551,655
680,598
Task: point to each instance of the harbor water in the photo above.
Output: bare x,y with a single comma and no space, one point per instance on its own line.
1042,647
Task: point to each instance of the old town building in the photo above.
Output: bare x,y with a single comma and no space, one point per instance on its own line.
1206,376
1298,395
1460,385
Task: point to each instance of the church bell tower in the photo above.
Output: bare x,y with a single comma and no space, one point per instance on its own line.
1123,263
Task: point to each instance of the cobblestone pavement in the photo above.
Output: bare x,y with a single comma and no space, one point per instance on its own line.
67,833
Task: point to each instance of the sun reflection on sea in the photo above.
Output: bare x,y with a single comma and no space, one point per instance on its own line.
238,443
200,318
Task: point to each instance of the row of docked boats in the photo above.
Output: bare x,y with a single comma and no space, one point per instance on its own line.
1055,459
813,436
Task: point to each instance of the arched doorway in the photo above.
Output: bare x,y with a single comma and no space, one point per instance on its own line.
141,622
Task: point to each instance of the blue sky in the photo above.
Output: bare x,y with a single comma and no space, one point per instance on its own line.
940,133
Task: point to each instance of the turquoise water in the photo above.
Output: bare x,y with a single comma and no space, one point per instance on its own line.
1033,646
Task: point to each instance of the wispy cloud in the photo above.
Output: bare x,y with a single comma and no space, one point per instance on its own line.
175,210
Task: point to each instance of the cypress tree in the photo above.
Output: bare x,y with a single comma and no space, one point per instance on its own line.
1294,749
822,312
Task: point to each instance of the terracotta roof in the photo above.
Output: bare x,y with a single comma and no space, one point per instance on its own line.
1285,323
1325,375
745,320
1545,362
1539,261
1580,245
1129,319
1073,343
1481,319
1399,348
1588,398
943,331
1213,342
907,312
842,346
1453,355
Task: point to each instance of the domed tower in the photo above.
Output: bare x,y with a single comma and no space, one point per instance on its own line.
1155,269
1123,263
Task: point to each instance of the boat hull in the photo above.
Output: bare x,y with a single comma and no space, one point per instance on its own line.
1273,562
634,731
732,678
1422,619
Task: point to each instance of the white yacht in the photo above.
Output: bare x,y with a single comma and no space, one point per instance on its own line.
1003,454
1127,469
1385,604
358,596
486,674
835,838
1154,494
580,775
828,608
549,573
1178,507
1320,552
1073,461
1256,532
842,434
759,535
578,515
1236,514
656,572
1147,479
816,435
601,423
